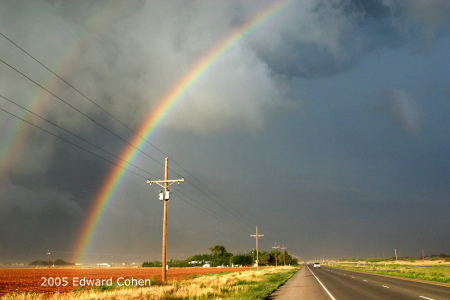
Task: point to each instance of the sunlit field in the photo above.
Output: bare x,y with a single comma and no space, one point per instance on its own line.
425,270
248,284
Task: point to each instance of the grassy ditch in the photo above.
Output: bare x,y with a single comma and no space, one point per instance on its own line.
431,273
249,284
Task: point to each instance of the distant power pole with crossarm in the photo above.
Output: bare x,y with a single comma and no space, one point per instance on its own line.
276,254
164,196
257,247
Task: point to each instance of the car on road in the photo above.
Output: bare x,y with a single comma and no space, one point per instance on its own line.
316,265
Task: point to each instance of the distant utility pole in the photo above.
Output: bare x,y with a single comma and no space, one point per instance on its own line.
276,254
48,259
284,255
395,254
165,197
257,248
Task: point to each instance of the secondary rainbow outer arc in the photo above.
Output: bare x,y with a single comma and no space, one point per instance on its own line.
17,134
114,178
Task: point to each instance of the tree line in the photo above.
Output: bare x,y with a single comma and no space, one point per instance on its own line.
57,262
221,257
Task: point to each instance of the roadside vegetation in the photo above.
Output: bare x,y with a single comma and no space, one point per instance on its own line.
435,268
250,284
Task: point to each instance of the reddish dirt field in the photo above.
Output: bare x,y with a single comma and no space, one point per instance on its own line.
45,280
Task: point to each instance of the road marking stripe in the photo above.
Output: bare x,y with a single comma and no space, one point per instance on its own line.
426,298
329,294
386,286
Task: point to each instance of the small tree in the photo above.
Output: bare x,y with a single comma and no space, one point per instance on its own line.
264,258
220,256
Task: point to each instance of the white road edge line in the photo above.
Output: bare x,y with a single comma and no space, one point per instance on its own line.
385,286
329,294
426,298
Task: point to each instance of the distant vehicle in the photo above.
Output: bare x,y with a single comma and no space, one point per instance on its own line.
316,265
206,265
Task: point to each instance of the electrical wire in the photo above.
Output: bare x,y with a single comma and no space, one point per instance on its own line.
73,144
77,136
77,110
211,213
84,95
218,217
218,203
237,214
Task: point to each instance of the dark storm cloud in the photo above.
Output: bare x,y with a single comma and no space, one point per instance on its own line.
279,126
333,36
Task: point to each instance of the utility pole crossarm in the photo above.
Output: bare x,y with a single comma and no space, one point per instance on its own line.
169,182
276,254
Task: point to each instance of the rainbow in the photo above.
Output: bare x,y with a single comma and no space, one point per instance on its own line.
18,133
164,106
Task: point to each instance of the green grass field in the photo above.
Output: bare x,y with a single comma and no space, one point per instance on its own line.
431,273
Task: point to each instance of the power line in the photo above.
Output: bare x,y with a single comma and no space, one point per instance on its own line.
211,213
237,214
59,98
77,136
113,134
73,144
74,108
84,95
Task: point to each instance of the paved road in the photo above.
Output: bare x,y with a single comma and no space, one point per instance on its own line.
302,285
330,283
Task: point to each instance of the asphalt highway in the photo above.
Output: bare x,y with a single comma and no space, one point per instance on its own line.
330,283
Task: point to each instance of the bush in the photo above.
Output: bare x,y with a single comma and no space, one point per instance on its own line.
155,280
434,258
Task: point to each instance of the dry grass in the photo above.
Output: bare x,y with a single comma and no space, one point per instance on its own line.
203,287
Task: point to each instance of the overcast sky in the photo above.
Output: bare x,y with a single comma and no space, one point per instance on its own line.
327,127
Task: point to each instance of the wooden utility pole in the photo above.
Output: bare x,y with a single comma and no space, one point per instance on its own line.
165,197
257,248
276,254
284,254
48,259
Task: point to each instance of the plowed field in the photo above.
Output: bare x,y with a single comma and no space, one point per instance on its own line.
51,280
